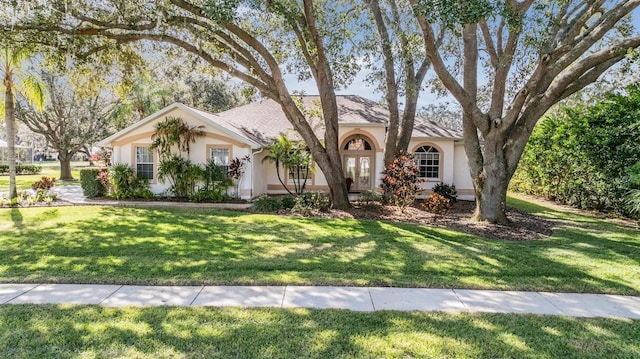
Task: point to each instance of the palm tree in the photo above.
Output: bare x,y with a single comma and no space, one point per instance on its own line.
143,98
294,157
29,86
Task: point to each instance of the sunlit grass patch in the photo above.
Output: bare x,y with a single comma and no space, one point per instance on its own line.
50,331
175,246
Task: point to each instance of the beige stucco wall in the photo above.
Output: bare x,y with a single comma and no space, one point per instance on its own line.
461,175
123,149
453,169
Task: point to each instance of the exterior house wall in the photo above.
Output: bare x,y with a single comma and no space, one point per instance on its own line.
461,175
260,176
124,150
318,182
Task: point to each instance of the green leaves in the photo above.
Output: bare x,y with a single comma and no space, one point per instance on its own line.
587,157
221,11
453,14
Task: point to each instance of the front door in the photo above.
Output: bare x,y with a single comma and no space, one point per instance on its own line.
357,158
358,168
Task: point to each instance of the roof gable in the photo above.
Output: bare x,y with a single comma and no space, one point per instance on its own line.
202,116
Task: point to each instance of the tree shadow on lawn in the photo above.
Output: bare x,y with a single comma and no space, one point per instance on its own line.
70,331
131,246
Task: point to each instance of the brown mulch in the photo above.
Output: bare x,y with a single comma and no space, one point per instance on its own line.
523,227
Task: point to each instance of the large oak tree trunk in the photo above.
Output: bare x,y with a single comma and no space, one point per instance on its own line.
491,193
65,166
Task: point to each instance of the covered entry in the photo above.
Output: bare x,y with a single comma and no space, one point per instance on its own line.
358,158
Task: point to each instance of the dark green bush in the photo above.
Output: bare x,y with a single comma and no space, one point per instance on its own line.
90,183
586,156
288,202
446,190
127,184
22,169
311,201
267,204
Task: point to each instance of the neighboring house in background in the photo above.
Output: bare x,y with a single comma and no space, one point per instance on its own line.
248,129
23,153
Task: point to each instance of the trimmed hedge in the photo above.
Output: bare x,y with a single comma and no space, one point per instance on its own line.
22,169
91,185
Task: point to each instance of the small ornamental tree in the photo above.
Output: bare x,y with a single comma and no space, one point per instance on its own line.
237,167
400,180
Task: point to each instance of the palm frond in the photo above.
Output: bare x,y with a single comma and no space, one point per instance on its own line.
33,90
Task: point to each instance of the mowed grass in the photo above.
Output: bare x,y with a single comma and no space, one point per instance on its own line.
49,169
176,246
48,331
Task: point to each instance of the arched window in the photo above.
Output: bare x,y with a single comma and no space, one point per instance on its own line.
358,144
427,158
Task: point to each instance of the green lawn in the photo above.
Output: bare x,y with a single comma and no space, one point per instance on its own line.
49,169
164,246
48,331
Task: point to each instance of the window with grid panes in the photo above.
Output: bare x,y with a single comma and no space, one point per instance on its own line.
427,158
144,162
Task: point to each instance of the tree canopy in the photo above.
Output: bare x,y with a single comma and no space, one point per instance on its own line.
525,56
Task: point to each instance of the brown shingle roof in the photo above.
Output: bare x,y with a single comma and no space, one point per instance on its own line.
264,120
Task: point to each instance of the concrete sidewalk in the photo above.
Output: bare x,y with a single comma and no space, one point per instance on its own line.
350,298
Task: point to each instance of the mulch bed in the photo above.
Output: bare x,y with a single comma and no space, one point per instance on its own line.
523,227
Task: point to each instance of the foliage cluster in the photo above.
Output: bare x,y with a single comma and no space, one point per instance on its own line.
310,202
370,200
400,179
125,183
437,204
91,184
273,204
305,204
193,181
30,198
587,157
295,158
45,183
446,190
22,169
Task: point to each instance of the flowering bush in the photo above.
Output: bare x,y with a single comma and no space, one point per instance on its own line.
400,180
45,183
437,204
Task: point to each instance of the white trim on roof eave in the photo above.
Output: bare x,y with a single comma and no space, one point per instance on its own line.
361,124
431,138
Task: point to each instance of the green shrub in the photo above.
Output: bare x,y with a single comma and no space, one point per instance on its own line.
446,190
90,183
369,196
22,169
125,183
267,204
288,202
585,156
311,201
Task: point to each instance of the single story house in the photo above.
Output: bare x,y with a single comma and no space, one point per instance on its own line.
248,129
